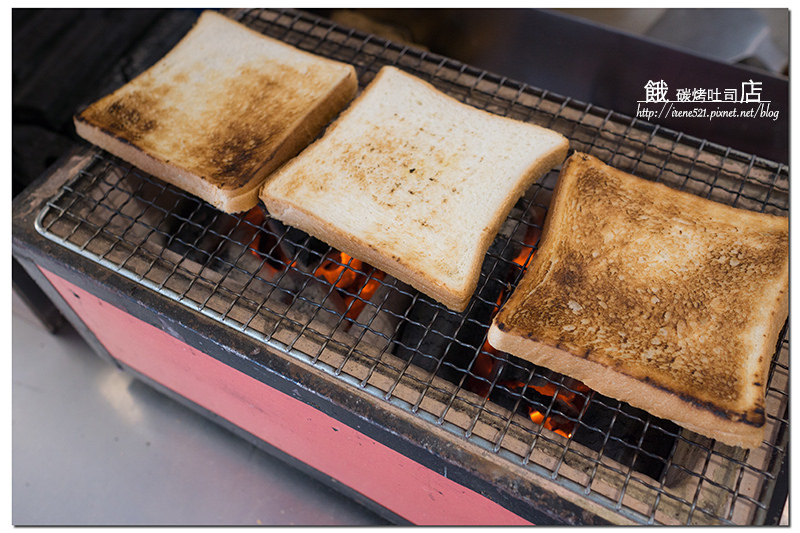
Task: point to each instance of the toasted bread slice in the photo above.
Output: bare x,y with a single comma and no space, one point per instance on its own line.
414,183
219,112
662,299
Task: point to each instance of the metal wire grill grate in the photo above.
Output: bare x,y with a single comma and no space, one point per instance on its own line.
298,295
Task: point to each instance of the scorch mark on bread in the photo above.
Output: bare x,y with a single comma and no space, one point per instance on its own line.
414,182
656,297
222,110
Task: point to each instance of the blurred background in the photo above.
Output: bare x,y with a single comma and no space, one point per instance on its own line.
753,36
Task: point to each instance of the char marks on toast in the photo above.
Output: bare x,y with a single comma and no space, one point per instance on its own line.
657,297
414,182
218,113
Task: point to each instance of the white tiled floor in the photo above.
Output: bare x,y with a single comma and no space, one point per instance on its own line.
91,445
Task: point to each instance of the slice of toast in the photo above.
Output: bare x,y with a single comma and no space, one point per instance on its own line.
414,182
656,297
218,113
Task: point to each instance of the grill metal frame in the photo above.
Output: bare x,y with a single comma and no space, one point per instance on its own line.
114,215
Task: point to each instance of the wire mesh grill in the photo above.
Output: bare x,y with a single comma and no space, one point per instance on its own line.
281,286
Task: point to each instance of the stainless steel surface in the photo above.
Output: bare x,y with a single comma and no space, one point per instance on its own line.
93,446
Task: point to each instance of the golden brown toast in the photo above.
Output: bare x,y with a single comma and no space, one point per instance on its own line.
662,299
223,109
414,182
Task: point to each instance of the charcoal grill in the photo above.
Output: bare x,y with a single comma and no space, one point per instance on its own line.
377,389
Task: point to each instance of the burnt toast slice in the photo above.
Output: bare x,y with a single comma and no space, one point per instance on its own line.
219,112
414,182
670,302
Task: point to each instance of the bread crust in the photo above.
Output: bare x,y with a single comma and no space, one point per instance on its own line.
681,320
221,111
301,192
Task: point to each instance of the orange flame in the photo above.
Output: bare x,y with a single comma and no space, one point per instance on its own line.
255,217
526,252
349,275
355,280
485,362
261,240
558,425
522,257
488,358
539,418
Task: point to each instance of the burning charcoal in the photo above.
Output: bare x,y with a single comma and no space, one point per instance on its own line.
200,234
549,399
352,280
380,318
195,230
436,339
426,335
621,428
556,402
486,368
243,242
297,245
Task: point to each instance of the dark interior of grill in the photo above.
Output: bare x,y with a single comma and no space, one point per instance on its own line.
258,276
449,345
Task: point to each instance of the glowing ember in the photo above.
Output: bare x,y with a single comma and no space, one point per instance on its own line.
567,400
532,235
538,418
335,270
488,359
355,280
258,242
